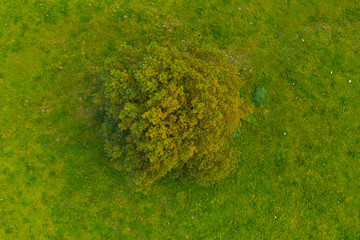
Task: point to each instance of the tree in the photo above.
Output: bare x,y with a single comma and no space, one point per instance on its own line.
170,110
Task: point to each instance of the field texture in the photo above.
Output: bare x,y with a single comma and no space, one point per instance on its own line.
298,176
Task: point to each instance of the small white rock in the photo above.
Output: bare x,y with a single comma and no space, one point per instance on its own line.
1,199
275,217
330,72
284,133
349,81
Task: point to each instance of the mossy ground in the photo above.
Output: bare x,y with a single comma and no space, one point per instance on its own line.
298,175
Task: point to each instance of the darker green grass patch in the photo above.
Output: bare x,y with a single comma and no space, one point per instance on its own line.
280,163
60,115
251,120
15,46
18,17
3,54
50,17
62,7
52,174
109,48
85,17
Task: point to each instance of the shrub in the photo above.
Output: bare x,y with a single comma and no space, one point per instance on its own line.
171,111
260,95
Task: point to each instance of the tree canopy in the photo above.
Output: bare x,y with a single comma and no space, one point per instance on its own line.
170,110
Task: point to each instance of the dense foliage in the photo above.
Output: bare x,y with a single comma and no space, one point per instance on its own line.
172,111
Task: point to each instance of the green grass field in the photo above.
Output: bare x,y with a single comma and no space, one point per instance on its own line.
299,173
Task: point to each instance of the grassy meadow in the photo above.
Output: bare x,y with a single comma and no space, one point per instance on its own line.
298,176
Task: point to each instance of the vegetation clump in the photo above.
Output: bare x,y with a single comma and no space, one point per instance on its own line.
260,95
174,111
